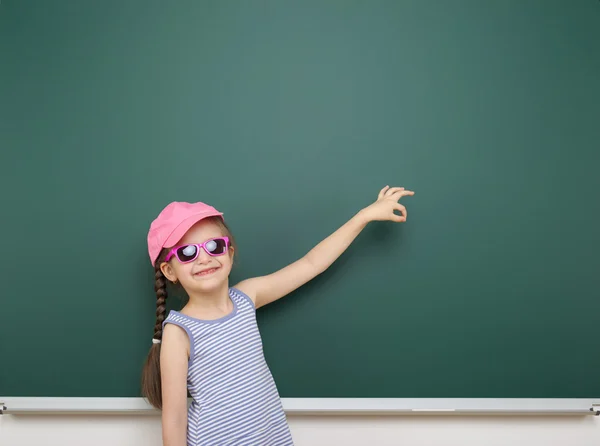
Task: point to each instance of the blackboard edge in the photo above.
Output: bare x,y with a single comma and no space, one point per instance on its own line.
324,406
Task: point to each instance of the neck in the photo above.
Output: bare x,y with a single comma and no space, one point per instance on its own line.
215,299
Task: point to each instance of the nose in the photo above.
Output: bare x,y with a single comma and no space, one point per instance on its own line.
203,257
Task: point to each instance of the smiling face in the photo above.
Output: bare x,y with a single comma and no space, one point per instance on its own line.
205,274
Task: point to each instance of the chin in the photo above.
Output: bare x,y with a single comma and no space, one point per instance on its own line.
209,283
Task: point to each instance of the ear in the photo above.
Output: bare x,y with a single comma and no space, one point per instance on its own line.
231,251
168,272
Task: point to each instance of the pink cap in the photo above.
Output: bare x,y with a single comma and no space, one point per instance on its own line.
173,222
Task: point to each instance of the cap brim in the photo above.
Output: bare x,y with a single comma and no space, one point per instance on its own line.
185,225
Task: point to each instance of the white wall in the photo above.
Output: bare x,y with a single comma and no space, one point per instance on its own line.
128,430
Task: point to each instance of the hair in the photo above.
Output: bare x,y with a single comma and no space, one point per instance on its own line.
151,377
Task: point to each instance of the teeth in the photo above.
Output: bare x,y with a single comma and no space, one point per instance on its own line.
208,271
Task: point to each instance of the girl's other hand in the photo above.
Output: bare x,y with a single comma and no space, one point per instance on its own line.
387,203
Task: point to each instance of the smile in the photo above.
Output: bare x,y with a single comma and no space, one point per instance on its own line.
206,272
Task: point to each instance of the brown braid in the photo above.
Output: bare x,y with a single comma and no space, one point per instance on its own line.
160,286
151,381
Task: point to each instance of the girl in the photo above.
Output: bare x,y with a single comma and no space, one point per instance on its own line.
212,347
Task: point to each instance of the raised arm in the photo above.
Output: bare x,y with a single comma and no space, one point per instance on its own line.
266,289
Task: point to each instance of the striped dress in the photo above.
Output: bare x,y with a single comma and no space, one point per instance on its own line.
234,398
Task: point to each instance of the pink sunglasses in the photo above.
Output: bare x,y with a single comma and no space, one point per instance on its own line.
188,253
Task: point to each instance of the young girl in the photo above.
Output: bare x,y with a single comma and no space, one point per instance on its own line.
212,347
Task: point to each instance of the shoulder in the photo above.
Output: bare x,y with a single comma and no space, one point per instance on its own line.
173,317
173,332
247,289
240,293
176,336
177,319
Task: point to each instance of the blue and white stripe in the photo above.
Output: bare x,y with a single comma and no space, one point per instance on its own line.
234,397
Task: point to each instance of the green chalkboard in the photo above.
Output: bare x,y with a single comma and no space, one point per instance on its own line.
289,117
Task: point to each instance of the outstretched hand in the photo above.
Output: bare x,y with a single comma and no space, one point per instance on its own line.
266,289
387,203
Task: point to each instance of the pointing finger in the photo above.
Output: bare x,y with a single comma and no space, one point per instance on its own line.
403,193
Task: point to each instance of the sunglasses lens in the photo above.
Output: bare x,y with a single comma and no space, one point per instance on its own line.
216,246
187,253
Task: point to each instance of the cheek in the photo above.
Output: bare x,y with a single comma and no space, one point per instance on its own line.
182,270
227,262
